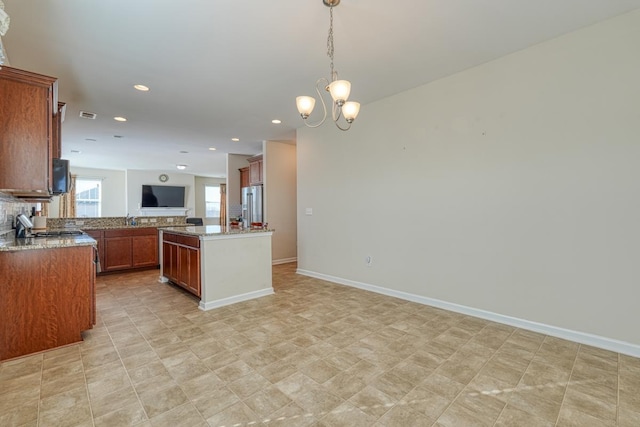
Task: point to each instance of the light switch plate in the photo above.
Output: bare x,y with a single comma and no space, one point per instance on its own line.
308,211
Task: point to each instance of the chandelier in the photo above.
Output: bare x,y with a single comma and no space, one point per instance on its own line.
338,89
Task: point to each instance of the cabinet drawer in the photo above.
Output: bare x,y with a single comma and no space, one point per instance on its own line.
167,237
147,231
121,232
192,241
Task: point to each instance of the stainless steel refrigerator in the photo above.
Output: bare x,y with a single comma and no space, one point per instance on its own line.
252,205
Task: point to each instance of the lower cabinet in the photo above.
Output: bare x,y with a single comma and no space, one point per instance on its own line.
48,298
144,249
124,249
181,261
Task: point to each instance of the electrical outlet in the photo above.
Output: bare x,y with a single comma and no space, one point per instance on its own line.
144,220
79,222
368,260
153,220
169,219
308,211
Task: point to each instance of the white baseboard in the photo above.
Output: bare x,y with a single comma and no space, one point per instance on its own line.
232,300
284,261
575,336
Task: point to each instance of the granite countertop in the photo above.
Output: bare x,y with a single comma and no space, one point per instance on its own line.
51,242
212,230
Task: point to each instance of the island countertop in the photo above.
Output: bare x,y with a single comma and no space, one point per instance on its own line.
213,231
51,242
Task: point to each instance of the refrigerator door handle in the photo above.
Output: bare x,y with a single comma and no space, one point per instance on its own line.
249,209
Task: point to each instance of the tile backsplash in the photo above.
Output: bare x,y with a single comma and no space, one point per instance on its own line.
10,207
111,222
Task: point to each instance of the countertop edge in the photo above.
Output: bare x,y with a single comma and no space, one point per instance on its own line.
35,243
201,232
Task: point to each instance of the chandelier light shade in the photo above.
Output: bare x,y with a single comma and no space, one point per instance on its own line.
305,105
350,111
338,89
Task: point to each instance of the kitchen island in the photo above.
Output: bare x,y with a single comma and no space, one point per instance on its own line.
48,293
219,265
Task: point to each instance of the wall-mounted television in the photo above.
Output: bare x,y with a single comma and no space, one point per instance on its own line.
162,196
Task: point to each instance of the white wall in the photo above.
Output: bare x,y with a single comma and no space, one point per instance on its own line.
512,187
279,172
200,183
137,178
114,195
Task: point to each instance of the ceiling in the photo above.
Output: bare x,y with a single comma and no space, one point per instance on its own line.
222,69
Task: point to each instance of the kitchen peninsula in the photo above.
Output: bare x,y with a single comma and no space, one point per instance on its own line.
48,293
219,265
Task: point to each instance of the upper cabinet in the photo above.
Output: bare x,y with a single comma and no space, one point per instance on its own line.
28,109
244,177
56,146
255,170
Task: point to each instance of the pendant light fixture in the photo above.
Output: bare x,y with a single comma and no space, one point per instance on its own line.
338,89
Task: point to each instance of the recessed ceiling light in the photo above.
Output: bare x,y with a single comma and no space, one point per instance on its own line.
90,139
212,148
120,119
235,139
276,121
183,152
76,151
181,167
118,136
141,88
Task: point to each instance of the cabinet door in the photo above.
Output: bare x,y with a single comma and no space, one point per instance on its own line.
26,131
56,146
194,271
183,266
117,253
255,172
244,177
169,260
145,251
188,269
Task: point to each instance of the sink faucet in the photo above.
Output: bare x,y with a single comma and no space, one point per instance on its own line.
126,220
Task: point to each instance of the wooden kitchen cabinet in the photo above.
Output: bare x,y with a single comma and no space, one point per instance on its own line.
255,170
117,253
28,108
181,261
129,248
48,298
244,177
144,248
56,146
169,260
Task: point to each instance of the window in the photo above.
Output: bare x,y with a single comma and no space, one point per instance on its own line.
212,201
88,197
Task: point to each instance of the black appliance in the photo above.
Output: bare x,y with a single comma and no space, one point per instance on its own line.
23,226
162,196
61,176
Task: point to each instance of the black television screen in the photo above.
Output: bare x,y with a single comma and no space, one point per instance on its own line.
162,196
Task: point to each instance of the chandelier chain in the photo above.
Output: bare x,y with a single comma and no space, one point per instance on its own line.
330,42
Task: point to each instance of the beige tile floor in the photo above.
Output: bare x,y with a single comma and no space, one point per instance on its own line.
313,354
